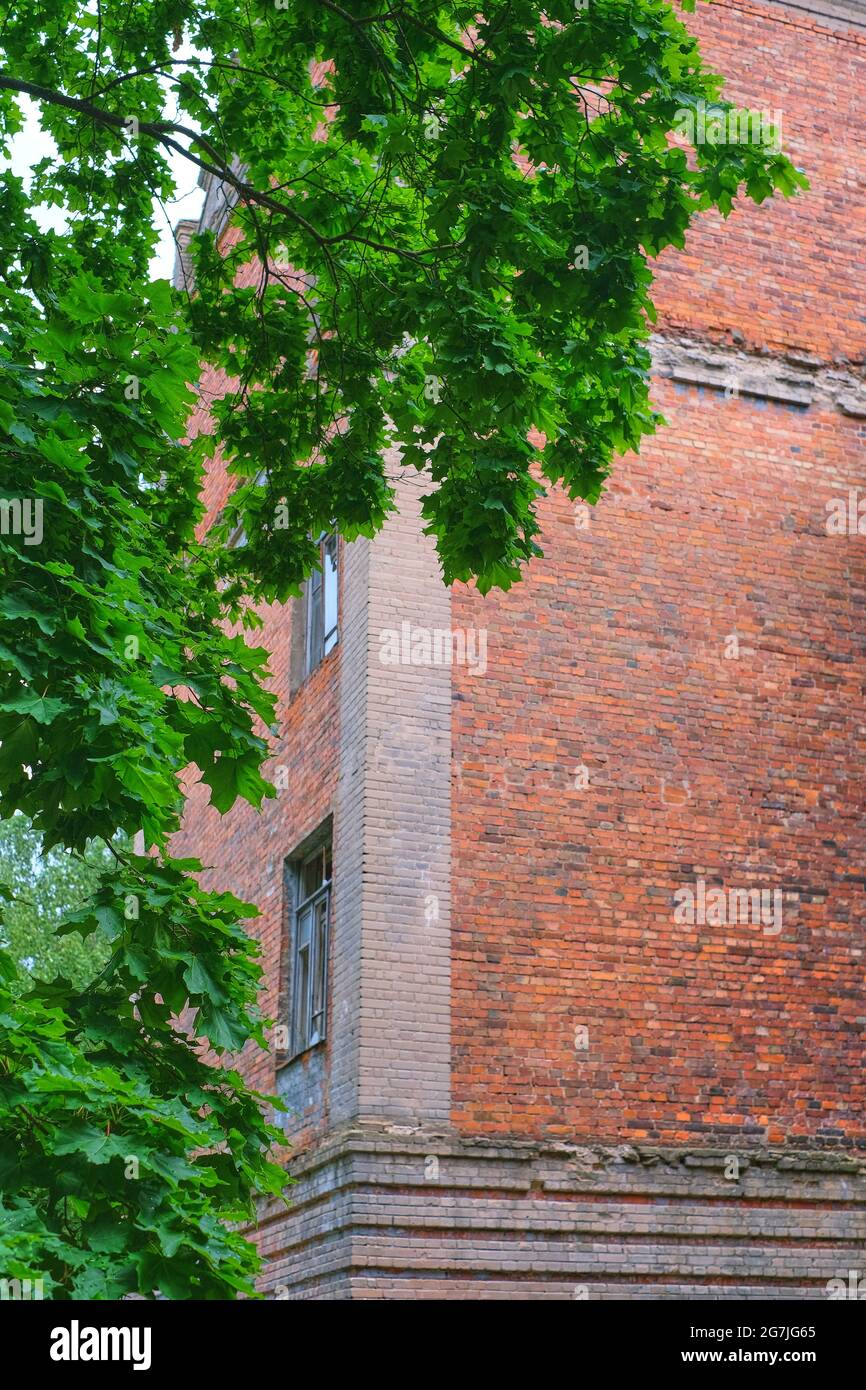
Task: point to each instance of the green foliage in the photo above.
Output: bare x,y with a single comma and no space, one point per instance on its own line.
119,674
122,1154
396,277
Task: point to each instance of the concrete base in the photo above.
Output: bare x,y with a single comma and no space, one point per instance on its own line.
383,1212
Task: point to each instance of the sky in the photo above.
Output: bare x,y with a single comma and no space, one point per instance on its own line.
32,144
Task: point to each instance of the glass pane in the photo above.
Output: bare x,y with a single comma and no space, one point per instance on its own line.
330,583
302,998
320,967
315,621
305,922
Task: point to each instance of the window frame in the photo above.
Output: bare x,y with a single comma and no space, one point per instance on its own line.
238,537
322,594
315,905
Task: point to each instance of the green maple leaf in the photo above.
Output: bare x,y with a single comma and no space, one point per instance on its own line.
43,709
97,1146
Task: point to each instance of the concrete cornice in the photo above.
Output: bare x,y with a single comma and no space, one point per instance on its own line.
836,14
589,1160
794,378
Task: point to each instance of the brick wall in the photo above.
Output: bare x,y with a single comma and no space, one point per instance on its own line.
615,656
382,1213
783,275
746,772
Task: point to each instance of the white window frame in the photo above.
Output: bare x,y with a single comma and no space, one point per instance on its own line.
324,584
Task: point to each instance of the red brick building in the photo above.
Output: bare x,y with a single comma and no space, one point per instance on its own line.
564,889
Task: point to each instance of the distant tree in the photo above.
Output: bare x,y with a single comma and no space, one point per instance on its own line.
45,888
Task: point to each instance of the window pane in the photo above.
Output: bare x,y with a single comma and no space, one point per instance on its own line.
302,998
315,619
330,585
305,922
320,967
310,949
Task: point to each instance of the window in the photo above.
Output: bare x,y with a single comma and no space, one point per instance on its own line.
238,537
310,948
322,603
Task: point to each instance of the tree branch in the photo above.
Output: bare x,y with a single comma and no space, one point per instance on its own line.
164,131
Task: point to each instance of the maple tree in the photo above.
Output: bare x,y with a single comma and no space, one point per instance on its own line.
446,224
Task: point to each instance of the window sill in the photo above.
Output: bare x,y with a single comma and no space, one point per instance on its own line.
323,661
287,1061
305,679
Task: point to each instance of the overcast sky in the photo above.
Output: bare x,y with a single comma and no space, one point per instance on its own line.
32,145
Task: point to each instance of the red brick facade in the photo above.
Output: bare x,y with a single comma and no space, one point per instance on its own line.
744,771
673,696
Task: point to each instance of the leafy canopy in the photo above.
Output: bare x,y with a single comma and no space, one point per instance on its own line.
441,232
